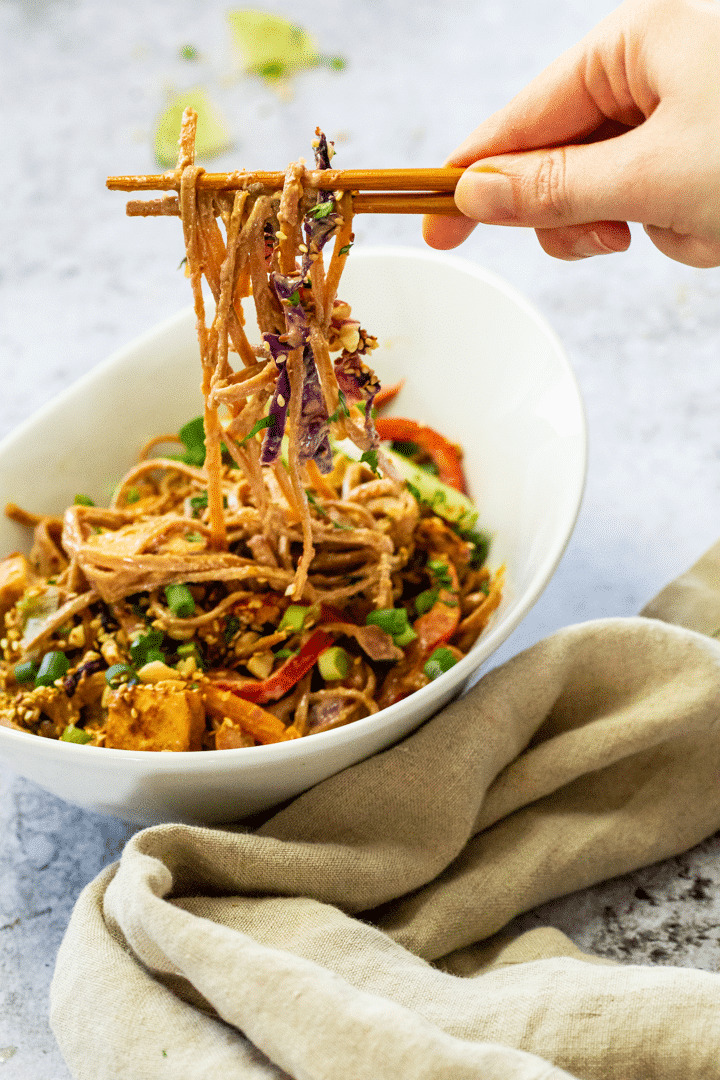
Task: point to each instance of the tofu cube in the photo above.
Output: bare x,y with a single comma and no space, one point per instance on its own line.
154,717
16,575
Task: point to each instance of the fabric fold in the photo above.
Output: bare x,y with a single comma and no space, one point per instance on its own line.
358,931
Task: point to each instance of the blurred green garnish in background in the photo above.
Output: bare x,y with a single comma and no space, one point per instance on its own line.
212,138
273,47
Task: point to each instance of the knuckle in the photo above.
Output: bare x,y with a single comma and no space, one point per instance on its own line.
551,195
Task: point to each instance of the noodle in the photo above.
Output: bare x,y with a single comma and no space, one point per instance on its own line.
204,608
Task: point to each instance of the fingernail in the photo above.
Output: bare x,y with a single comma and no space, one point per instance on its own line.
486,195
590,244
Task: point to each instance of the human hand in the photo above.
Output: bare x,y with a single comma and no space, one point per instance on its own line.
625,126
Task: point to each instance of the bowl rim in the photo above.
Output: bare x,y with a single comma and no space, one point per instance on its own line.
461,672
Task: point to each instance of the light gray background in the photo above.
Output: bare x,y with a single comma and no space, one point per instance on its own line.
81,82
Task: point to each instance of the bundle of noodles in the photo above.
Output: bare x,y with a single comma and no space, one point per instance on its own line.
201,610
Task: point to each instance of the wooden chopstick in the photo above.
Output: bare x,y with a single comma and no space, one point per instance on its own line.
375,191
387,202
420,180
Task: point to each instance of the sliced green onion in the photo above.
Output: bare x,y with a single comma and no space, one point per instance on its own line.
393,621
75,734
153,655
146,647
118,674
53,666
334,663
425,600
191,649
180,600
26,671
294,618
83,500
285,654
439,662
401,640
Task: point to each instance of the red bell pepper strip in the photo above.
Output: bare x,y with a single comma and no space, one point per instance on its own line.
386,394
281,681
444,453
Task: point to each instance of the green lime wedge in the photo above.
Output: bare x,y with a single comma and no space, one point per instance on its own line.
212,138
269,45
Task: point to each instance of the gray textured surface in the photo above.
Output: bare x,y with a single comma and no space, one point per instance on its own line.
81,83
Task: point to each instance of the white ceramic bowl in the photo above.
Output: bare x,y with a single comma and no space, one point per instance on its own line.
479,364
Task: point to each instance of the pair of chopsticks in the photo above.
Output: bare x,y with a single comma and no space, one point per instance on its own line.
375,191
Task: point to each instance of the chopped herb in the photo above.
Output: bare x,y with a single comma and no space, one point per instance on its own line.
231,628
192,436
193,538
321,209
132,495
342,409
313,502
341,525
285,654
336,63
83,500
189,52
294,298
370,457
345,249
183,262
265,422
440,572
198,503
484,587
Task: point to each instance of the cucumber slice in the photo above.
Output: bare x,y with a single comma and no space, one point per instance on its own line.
444,500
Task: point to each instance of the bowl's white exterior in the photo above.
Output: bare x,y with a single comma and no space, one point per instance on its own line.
480,364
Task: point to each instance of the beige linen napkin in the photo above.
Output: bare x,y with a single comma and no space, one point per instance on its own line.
356,935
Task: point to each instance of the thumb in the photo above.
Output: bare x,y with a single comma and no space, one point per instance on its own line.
567,185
